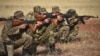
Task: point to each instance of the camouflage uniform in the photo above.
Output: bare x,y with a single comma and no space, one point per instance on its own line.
31,15
49,36
62,27
52,30
38,34
16,35
74,24
63,31
36,37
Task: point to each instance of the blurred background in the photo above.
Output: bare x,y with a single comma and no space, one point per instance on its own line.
83,7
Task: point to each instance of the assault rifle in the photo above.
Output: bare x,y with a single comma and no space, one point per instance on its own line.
81,18
29,23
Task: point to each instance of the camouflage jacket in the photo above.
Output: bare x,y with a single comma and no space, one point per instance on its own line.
9,31
38,32
73,22
74,25
62,23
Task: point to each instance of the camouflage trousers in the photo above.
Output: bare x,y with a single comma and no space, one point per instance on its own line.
52,36
14,43
73,34
62,34
20,40
25,40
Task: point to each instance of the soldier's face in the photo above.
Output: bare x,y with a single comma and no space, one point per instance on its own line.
59,18
73,16
42,15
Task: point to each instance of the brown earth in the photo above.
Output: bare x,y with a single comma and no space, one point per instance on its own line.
89,45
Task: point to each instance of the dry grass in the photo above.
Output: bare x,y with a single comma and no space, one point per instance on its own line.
88,46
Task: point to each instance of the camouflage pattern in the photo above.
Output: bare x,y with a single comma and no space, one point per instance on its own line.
52,33
44,33
38,35
32,14
63,31
55,8
62,27
71,12
73,24
40,30
16,35
19,14
74,29
43,10
7,26
36,8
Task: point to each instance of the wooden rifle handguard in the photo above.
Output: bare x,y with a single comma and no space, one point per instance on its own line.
16,22
40,19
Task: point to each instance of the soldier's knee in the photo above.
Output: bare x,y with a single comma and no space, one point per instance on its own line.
51,41
29,38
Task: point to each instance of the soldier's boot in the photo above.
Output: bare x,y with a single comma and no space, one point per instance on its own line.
25,52
9,48
34,51
2,51
74,38
47,47
31,51
52,50
67,40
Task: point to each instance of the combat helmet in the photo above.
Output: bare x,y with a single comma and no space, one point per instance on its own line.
71,12
42,14
43,10
55,8
18,14
36,8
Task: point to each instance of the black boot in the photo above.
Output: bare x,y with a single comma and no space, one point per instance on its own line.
52,49
33,50
25,52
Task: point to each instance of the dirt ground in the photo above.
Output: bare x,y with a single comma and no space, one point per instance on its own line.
89,45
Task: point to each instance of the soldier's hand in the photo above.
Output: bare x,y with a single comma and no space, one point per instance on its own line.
39,23
22,26
46,20
75,19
